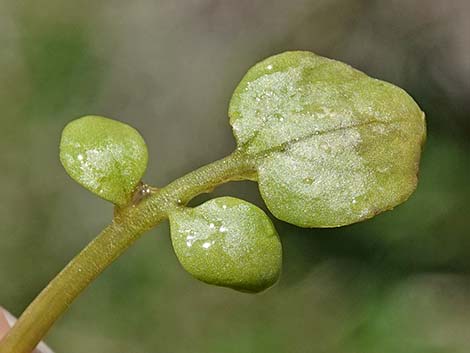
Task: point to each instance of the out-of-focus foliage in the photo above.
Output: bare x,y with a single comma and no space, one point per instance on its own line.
397,283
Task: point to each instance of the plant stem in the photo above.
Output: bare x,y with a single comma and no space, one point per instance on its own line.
127,226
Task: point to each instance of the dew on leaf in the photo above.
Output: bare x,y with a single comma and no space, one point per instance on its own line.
206,245
308,180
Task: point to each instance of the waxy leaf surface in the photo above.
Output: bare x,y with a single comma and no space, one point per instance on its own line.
105,156
333,146
227,242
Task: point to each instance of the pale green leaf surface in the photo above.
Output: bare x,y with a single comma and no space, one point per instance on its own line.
333,146
105,156
227,242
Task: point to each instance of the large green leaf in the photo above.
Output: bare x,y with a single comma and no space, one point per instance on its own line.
227,242
105,156
333,146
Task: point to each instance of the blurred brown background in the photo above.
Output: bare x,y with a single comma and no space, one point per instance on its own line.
397,283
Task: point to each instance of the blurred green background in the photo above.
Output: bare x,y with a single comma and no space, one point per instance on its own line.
397,283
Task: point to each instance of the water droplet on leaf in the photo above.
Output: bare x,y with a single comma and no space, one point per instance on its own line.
308,181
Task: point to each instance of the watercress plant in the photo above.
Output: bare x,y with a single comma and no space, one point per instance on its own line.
328,146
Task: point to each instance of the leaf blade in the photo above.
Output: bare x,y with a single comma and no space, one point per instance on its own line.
227,242
314,124
105,156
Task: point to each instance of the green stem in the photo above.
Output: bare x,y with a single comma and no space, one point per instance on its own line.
127,226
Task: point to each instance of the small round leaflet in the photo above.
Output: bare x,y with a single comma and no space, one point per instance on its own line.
227,242
105,156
